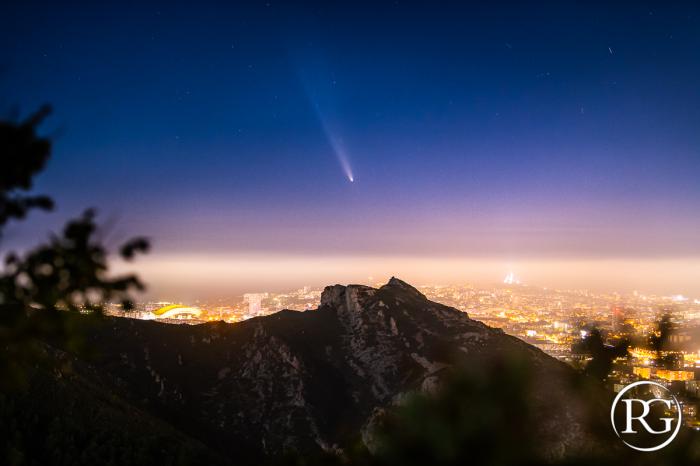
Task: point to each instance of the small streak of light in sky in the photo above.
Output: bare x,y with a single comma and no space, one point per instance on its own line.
335,142
340,153
321,96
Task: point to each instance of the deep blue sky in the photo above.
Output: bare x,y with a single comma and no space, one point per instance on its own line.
553,129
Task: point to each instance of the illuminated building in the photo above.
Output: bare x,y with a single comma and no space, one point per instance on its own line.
693,387
618,317
677,338
510,279
254,301
674,375
177,311
643,372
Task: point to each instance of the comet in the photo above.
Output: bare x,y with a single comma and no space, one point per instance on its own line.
335,141
321,96
340,153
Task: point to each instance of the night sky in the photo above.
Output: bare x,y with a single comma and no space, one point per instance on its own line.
561,139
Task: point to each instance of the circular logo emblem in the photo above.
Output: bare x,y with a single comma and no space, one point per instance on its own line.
648,418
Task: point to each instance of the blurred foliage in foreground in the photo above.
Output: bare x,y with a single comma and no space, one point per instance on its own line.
488,419
42,291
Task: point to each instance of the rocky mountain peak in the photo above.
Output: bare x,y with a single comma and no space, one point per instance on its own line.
344,297
349,296
400,285
332,295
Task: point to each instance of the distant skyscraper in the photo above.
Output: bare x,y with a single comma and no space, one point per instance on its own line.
511,279
618,318
254,301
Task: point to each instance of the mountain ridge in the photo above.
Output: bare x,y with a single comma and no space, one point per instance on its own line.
316,381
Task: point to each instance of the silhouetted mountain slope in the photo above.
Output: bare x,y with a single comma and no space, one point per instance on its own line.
65,416
299,381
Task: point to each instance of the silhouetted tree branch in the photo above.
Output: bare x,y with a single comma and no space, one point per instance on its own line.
602,355
23,154
41,291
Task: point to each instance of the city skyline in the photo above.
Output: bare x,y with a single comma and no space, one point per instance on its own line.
197,278
445,293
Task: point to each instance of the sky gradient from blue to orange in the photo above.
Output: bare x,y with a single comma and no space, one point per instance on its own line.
560,132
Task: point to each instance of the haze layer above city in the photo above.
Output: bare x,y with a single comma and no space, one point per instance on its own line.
264,147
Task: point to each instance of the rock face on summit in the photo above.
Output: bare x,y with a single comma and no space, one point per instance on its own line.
316,380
